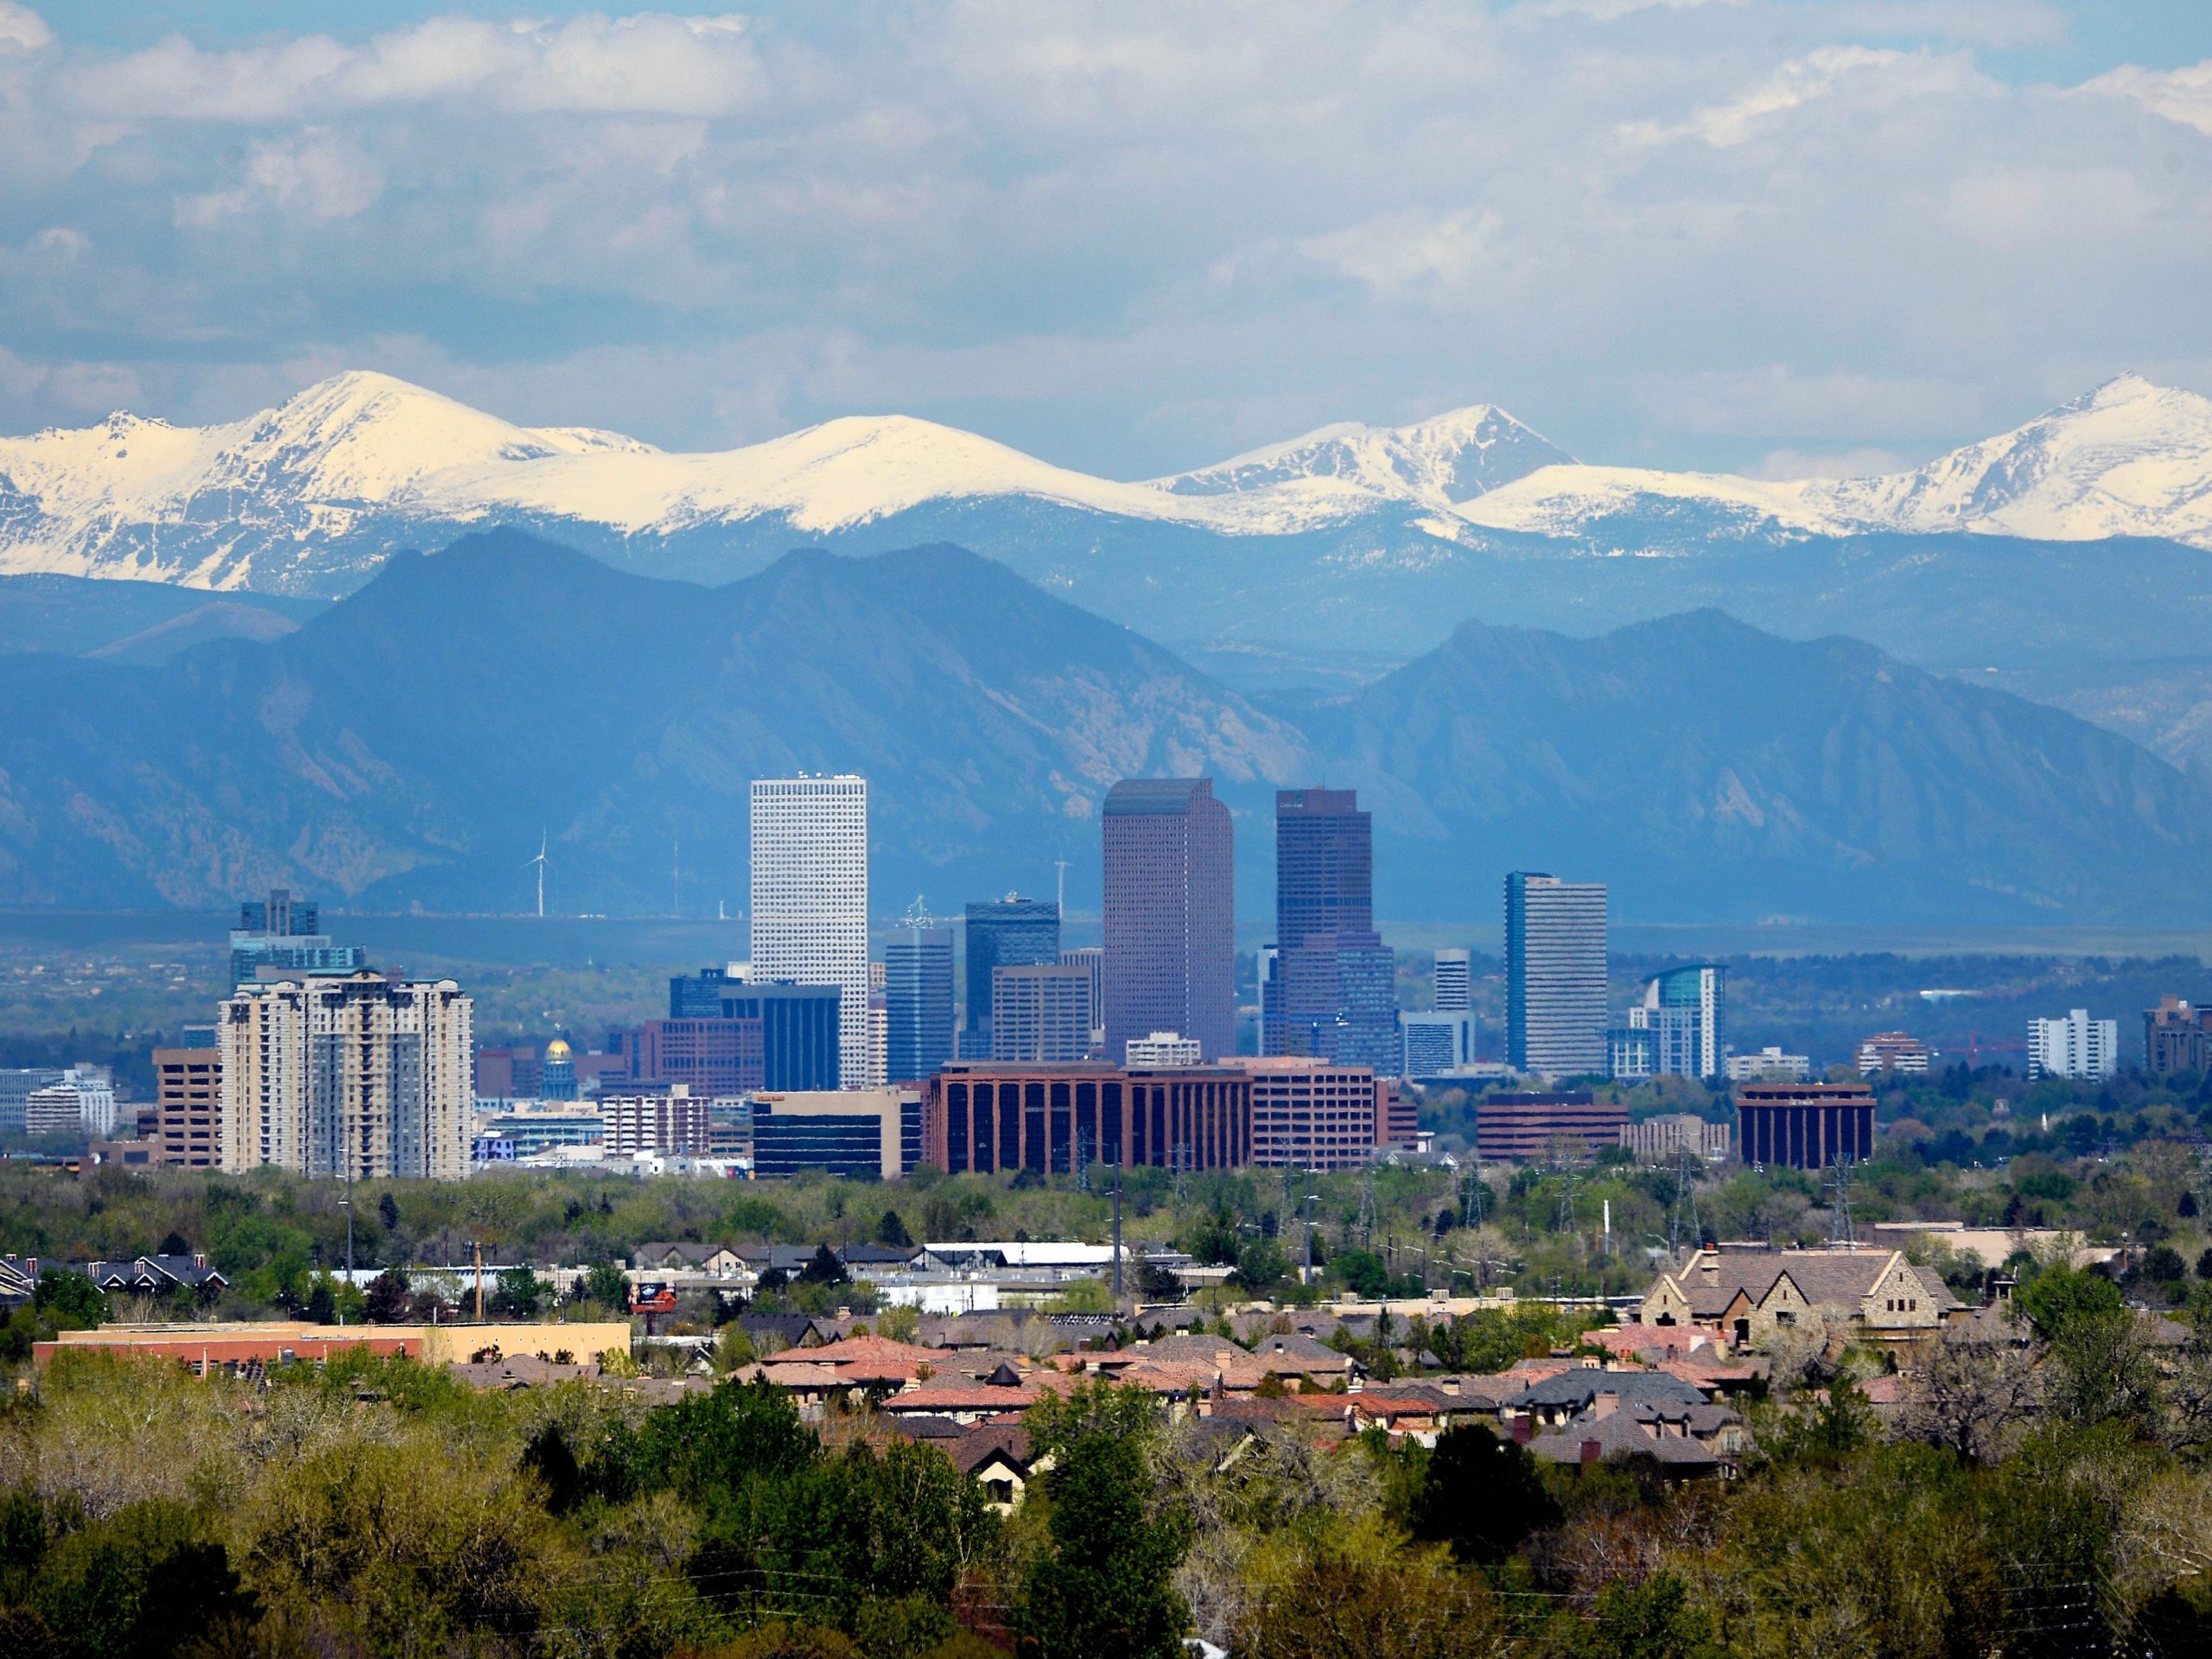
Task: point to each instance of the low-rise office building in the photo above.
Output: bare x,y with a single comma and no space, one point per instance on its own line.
986,1116
1313,1114
1663,1140
1805,1125
1517,1126
1893,1050
865,1133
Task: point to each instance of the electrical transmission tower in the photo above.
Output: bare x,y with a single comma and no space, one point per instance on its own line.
1472,1194
1182,1161
1846,1235
1684,1207
1366,1224
1083,1160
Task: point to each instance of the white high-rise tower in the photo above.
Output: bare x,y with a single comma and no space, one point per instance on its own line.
809,897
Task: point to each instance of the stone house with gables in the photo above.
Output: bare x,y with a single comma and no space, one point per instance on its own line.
1744,1293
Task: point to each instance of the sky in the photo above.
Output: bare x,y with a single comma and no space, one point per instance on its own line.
1817,236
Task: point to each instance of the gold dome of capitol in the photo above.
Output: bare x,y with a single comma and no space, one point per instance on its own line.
557,1049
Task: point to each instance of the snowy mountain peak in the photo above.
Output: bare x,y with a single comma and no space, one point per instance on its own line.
1448,458
2130,458
310,495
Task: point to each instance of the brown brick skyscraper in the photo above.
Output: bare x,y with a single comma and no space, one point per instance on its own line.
1169,913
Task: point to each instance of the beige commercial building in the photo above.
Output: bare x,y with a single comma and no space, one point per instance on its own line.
1041,1013
353,1076
1661,1140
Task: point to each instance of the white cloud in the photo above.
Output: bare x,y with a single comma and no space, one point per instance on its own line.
1612,11
647,64
1817,75
315,176
22,30
60,243
1133,234
2183,95
1398,253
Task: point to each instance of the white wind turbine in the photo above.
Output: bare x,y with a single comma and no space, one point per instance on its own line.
540,861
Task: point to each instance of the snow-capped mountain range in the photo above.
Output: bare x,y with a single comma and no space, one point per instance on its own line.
2127,459
1351,528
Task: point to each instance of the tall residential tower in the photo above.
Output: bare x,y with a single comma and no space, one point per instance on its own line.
357,1078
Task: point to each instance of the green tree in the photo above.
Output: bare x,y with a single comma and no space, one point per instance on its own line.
322,1301
1260,1267
891,1232
520,1292
1103,1586
388,1212
387,1302
124,1587
823,1268
1480,1494
1653,1618
604,1285
1101,1407
70,1301
2100,1362
1213,1243
899,1324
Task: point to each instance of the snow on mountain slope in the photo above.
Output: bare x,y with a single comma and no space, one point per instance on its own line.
97,501
2128,459
1623,506
827,478
1434,463
264,500
311,495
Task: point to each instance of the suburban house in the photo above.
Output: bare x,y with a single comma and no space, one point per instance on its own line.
996,1457
1594,1438
1556,1401
1746,1292
675,1255
157,1275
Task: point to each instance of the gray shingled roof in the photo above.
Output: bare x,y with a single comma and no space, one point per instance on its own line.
1579,1386
1617,1436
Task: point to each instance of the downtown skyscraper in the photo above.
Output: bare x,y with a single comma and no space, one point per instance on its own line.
1009,932
1332,990
1554,974
1169,913
809,897
916,1000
